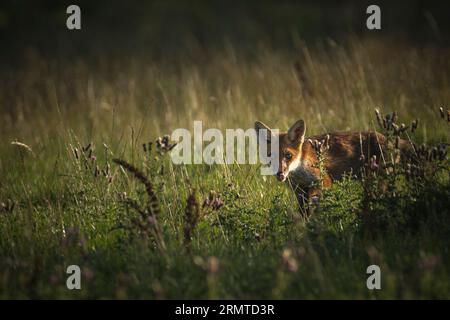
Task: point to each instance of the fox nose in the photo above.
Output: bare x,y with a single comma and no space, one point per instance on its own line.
280,176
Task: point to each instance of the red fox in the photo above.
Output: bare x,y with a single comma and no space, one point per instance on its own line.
298,159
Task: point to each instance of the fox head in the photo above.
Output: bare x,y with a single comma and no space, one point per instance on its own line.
290,147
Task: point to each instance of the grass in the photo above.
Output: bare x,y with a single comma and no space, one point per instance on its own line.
218,231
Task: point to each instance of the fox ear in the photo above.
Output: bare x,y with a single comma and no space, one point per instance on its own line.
259,126
296,133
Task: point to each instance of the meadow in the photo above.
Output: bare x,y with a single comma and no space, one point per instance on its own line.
217,231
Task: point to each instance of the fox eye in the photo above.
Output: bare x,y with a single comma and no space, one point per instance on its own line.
288,155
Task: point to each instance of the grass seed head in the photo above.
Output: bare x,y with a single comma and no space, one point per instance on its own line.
379,120
414,125
191,216
153,203
289,262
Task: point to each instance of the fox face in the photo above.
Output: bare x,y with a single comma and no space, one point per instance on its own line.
289,148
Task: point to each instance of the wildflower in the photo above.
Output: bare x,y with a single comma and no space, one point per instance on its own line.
198,261
408,170
158,290
320,146
88,274
373,163
315,200
54,279
394,116
395,127
442,151
7,206
152,220
374,254
429,262
213,201
326,141
289,261
153,203
163,144
387,122
213,265
403,128
191,217
414,125
441,111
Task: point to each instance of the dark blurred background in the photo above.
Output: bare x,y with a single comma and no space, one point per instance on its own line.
174,27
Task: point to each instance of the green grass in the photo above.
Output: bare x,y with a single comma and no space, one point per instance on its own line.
57,212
